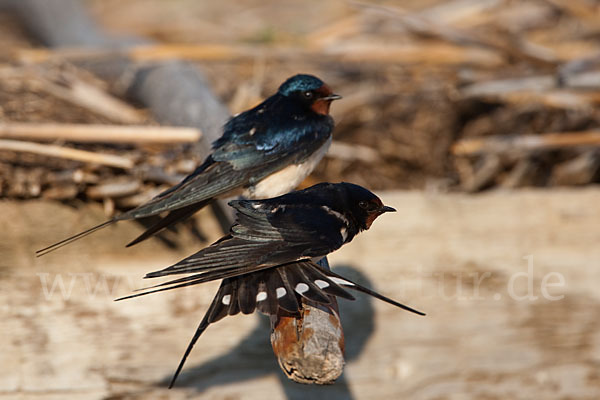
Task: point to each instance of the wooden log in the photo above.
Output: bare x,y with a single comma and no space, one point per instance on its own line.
90,133
298,342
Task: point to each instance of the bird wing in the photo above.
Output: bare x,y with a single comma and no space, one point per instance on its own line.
237,164
214,179
265,235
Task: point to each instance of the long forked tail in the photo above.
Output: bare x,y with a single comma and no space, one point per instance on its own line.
173,217
270,290
302,277
73,238
217,310
201,328
340,280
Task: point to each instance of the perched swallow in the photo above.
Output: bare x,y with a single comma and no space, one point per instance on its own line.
264,152
267,262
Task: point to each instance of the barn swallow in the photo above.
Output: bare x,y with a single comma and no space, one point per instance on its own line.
264,152
267,262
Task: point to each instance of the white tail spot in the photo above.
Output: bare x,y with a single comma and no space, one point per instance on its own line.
252,131
340,281
321,283
301,288
226,299
261,296
280,292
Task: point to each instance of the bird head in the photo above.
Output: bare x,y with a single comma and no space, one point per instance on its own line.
363,205
310,92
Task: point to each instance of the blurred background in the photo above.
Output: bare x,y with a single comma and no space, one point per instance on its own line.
477,119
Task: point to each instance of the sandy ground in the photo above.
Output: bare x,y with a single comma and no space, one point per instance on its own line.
508,280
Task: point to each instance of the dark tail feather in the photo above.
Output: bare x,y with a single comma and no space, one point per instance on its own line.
190,282
352,285
295,273
194,280
269,289
217,310
73,238
201,328
172,217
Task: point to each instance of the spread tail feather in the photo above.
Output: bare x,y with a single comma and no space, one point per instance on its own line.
201,328
270,290
315,283
73,238
340,280
217,310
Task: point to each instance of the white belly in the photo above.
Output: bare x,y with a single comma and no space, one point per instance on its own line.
287,179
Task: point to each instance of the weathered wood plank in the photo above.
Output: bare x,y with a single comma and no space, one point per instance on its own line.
477,340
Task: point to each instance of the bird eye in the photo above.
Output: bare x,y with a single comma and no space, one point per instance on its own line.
307,95
363,204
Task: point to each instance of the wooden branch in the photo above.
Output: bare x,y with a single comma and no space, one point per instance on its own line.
524,173
585,13
148,52
421,52
415,53
86,133
114,188
579,171
511,143
139,198
61,192
352,152
69,87
421,25
501,87
474,179
65,152
542,89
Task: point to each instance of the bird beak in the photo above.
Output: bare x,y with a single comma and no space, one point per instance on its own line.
387,209
332,97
